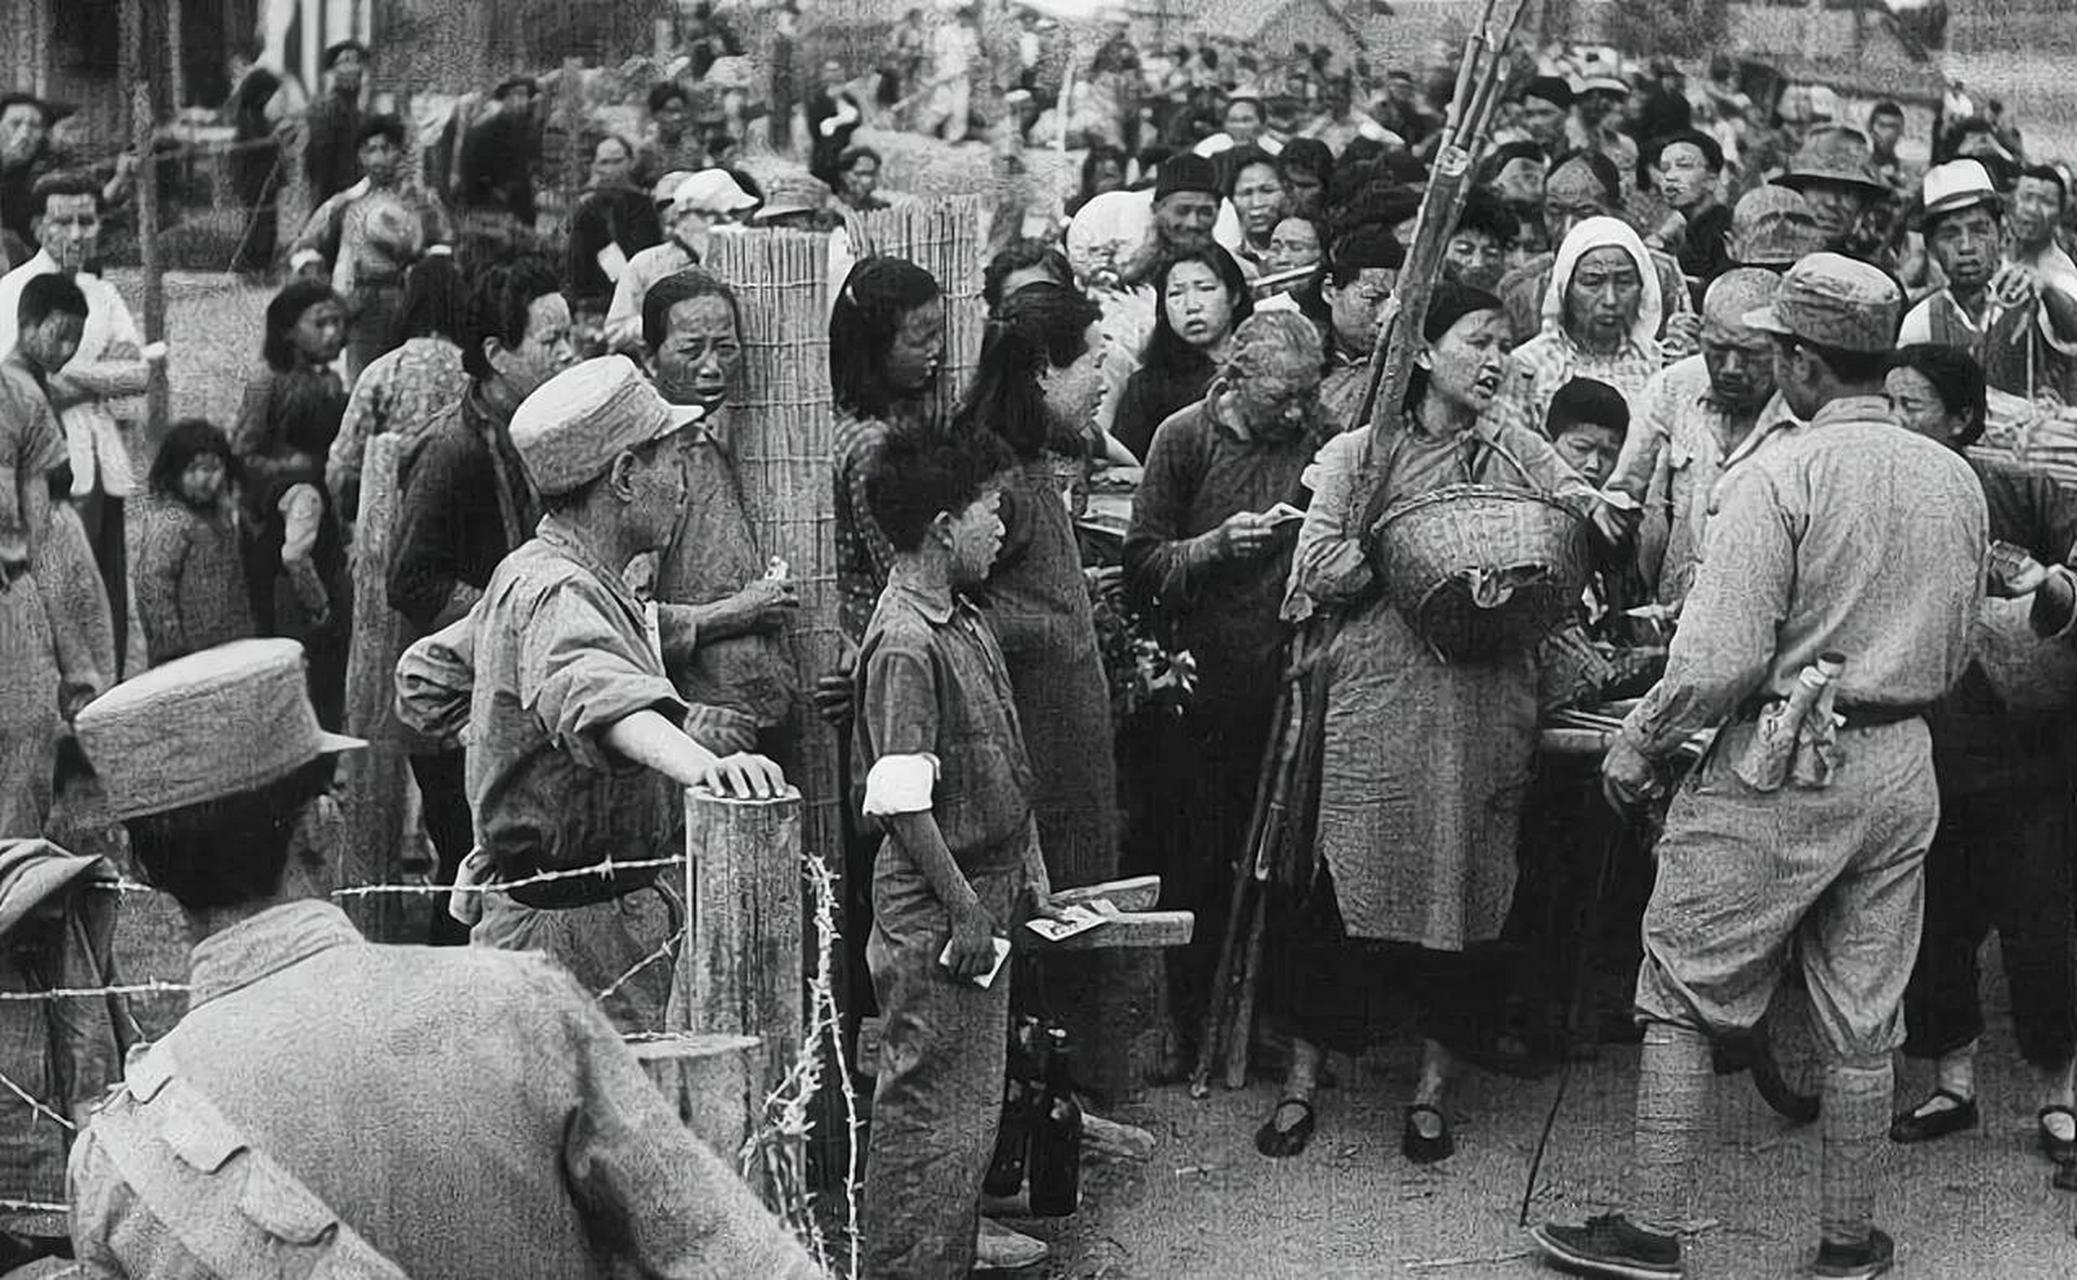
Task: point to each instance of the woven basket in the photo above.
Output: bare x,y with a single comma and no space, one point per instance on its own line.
1480,571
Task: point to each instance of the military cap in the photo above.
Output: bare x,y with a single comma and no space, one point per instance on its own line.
568,432
1835,301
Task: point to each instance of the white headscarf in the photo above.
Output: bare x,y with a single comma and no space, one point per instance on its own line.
1605,233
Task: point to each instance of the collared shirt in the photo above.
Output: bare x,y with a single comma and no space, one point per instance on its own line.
562,655
1673,461
469,1112
2018,347
931,680
109,368
465,505
403,393
1851,535
1544,364
643,271
1200,470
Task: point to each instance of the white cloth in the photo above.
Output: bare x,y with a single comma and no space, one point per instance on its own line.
644,270
1112,225
1605,233
1223,142
900,784
109,363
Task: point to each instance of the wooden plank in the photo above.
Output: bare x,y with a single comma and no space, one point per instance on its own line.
741,971
1132,929
376,779
1134,893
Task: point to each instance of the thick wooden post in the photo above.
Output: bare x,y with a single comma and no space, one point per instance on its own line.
376,778
741,971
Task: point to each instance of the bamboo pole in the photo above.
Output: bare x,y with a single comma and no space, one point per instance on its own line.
377,779
141,65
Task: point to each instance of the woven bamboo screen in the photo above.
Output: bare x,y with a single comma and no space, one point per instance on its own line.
783,457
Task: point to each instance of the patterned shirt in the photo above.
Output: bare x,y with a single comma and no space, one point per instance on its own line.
469,1112
31,447
402,393
1849,535
863,553
1672,462
1542,365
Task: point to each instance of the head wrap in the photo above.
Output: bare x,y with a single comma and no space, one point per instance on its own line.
1606,233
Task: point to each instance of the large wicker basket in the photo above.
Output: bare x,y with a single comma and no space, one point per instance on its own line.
1480,571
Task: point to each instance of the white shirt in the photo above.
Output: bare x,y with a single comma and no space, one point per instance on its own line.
109,364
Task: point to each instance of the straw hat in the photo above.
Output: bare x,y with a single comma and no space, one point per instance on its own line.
1834,153
217,723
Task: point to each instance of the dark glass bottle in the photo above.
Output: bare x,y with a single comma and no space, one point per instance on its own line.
1056,1136
1021,1091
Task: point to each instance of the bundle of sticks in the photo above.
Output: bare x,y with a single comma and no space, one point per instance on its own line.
1279,831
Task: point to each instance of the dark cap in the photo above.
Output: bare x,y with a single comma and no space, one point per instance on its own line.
337,51
1368,246
1187,172
1835,301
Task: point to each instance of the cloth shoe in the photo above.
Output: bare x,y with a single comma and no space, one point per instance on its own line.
1873,1257
1910,1126
1611,1245
998,1248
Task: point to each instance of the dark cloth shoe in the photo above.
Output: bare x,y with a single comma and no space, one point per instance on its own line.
1872,1257
1914,1127
1280,1144
2057,1148
1610,1245
1418,1147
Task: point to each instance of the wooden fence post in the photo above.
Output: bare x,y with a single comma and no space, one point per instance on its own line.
741,972
377,777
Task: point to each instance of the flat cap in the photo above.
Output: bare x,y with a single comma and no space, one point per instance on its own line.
1187,172
571,428
217,723
1835,301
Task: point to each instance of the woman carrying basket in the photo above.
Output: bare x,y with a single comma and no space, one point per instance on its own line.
1425,760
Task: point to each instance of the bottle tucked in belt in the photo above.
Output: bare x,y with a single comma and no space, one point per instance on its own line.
1771,754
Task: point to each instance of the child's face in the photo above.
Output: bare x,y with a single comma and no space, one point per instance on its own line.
202,480
975,537
1590,449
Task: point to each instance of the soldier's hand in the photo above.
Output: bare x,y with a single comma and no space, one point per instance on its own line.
744,776
1628,779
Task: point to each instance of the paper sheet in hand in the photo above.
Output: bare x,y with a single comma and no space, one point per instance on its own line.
1284,513
1078,919
1002,953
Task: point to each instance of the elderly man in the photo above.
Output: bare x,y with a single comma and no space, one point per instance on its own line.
1586,185
576,755
739,680
1693,422
110,368
2019,323
477,1117
27,157
1546,111
465,504
1834,173
698,203
1805,845
331,152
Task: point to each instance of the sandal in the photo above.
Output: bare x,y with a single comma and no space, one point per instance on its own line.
1920,1125
1280,1144
2056,1147
1417,1146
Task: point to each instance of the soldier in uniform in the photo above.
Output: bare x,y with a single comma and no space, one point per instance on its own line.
332,1107
1845,536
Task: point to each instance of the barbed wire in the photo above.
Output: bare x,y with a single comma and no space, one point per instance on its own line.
603,869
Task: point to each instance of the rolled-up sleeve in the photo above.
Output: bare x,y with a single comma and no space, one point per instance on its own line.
578,678
1725,642
1328,566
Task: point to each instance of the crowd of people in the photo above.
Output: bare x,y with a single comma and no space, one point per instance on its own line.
1745,351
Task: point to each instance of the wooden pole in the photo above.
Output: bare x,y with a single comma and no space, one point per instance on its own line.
141,64
376,779
741,969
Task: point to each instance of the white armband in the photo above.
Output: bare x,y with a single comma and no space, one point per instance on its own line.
900,784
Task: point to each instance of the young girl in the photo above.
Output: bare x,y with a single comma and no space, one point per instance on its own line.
191,586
